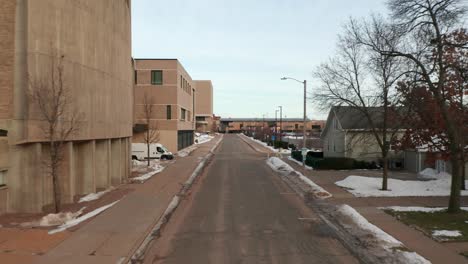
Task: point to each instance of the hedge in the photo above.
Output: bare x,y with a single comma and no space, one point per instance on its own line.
333,163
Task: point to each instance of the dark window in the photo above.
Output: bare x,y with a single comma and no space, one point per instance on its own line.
156,77
182,114
200,118
168,112
136,77
160,150
3,133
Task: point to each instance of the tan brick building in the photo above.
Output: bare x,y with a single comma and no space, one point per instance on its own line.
204,106
94,38
237,125
169,87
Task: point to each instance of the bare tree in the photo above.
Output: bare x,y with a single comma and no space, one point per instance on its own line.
424,27
152,132
364,80
51,95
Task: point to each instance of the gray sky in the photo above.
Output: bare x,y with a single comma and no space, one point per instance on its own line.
246,46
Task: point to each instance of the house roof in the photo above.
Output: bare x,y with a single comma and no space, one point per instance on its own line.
353,118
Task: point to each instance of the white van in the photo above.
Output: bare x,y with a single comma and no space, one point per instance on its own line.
157,151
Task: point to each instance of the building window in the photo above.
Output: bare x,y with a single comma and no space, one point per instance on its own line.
136,77
3,178
182,114
168,112
200,118
156,77
3,133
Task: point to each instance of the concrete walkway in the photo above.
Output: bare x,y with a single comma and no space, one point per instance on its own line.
368,207
115,234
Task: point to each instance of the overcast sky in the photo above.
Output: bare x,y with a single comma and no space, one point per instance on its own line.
246,46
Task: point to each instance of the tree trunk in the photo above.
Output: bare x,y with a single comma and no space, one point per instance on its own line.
55,180
463,172
454,202
148,148
385,173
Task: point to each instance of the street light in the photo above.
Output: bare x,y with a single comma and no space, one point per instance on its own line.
304,120
276,127
281,123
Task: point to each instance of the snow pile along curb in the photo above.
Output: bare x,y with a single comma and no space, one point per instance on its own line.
287,172
82,218
385,247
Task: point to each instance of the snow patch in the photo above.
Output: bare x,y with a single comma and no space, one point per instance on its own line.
157,168
186,151
202,138
446,233
284,169
361,186
417,209
383,239
431,174
76,221
94,196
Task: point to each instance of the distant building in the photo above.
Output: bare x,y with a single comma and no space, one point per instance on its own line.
204,106
95,39
290,125
172,90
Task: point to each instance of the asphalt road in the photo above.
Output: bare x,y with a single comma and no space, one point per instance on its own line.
241,212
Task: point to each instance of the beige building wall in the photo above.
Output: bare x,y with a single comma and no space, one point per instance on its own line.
204,106
94,38
176,92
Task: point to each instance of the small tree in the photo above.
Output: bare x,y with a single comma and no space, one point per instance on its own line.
50,94
363,80
152,132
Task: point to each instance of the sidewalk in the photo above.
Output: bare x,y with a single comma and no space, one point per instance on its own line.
112,236
368,207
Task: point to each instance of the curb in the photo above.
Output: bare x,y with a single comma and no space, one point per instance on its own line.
246,140
139,255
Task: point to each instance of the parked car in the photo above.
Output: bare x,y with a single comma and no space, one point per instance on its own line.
157,151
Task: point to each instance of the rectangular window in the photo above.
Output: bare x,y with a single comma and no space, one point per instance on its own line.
168,112
156,77
3,178
182,114
136,77
200,118
181,81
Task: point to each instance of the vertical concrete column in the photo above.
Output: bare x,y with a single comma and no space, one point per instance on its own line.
125,159
26,179
102,165
65,171
85,165
116,178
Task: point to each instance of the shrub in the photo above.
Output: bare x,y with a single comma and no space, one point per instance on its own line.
332,163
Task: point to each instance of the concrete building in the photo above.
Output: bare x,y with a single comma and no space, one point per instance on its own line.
204,106
94,38
170,89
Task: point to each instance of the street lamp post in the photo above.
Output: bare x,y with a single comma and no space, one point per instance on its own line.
281,123
276,127
305,114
